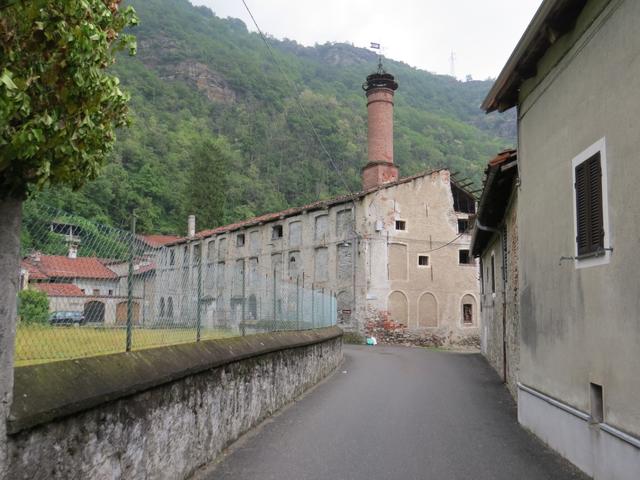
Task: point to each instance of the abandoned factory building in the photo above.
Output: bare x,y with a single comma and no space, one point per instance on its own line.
397,250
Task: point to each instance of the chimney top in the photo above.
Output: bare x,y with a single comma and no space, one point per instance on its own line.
191,226
380,79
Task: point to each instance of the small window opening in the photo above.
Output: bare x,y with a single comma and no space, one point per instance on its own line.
423,260
467,314
96,292
597,403
493,274
401,225
172,257
111,293
276,232
465,258
240,240
463,225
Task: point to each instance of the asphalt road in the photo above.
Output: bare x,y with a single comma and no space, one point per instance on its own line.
397,413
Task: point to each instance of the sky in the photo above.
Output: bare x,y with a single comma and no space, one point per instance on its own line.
423,33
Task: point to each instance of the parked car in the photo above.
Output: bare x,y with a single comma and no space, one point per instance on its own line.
67,318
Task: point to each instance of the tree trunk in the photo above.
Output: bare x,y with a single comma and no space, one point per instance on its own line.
10,222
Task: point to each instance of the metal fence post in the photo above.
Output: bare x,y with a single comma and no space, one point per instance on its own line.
199,304
130,284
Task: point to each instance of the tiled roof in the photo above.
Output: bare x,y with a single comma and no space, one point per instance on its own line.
34,271
158,240
56,266
59,289
321,204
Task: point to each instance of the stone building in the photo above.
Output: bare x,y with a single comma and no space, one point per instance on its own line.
495,241
397,250
574,78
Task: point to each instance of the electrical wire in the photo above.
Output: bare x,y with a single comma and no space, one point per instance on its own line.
297,100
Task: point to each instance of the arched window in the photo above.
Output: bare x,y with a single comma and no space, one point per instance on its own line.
468,310
427,310
398,307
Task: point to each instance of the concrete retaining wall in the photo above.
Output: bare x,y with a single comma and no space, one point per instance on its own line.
160,413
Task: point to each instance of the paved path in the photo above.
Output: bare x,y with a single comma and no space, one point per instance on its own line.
393,413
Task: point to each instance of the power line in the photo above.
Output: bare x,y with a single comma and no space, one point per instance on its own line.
297,99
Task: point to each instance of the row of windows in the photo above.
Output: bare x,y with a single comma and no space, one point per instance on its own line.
426,313
463,225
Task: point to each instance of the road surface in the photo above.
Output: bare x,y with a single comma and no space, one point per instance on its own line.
397,413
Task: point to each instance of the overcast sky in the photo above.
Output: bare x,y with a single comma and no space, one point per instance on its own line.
422,33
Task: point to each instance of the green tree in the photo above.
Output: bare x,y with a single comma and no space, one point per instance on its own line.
206,191
59,108
33,306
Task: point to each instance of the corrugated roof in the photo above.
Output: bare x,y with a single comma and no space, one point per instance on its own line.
321,204
59,289
56,266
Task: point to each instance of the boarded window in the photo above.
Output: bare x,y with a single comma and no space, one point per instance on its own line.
320,267
398,307
295,234
427,311
253,273
211,251
220,280
321,228
222,249
345,263
254,242
343,222
276,264
238,278
589,212
397,262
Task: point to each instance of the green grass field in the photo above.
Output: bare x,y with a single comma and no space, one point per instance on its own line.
42,344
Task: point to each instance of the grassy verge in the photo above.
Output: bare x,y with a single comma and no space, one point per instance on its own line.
41,344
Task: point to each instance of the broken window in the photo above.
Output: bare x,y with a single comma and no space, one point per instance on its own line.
589,211
463,202
465,258
240,240
401,225
276,232
463,225
423,260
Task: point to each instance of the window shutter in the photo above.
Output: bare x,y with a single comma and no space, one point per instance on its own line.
589,213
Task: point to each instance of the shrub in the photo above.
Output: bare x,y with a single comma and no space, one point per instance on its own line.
33,306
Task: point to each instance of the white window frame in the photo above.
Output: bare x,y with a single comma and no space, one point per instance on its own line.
599,146
428,265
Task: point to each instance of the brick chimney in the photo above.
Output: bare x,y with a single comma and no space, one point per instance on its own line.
380,88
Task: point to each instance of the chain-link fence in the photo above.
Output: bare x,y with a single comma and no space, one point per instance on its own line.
89,289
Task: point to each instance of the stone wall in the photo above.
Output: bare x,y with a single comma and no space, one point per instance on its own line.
160,413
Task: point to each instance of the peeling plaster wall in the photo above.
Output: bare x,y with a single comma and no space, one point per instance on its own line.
426,205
